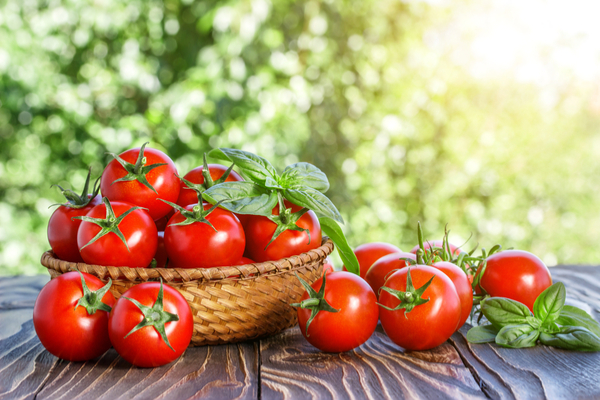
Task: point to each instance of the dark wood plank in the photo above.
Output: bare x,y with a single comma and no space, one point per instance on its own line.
293,369
541,372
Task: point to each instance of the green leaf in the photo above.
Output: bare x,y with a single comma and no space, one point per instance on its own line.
573,316
217,154
331,228
501,311
572,338
251,166
314,200
549,303
482,334
302,175
242,197
517,336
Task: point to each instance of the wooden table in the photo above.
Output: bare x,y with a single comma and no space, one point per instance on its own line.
287,367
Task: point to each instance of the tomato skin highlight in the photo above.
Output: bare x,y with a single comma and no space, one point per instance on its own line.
65,331
368,253
62,230
515,274
198,245
462,286
188,196
427,325
382,268
352,325
145,347
139,231
164,180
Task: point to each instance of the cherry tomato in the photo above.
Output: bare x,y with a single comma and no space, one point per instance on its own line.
66,330
163,179
516,274
437,243
462,285
161,223
161,252
198,245
429,324
382,269
145,347
368,253
188,196
259,231
137,228
355,321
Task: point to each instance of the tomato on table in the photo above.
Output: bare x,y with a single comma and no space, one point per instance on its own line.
382,269
368,253
463,287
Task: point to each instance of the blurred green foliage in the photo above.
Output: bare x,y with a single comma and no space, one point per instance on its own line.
350,86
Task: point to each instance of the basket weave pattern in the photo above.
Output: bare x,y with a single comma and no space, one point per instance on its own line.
229,304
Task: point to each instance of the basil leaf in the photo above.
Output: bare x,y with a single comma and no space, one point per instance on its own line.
331,228
242,197
482,334
572,338
302,174
251,166
573,316
314,200
548,304
217,154
517,336
501,311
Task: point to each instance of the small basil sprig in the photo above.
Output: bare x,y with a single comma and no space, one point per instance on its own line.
553,323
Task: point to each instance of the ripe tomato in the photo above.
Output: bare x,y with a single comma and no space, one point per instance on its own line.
137,227
243,261
161,251
188,196
259,231
328,266
368,253
352,325
428,324
437,243
516,274
163,179
161,223
198,245
62,230
382,268
145,347
462,285
66,329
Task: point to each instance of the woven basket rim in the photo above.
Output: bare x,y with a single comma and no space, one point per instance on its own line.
181,275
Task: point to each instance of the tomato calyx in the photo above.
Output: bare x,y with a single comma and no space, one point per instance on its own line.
137,171
287,220
154,316
200,188
92,299
197,214
409,299
109,224
75,200
316,301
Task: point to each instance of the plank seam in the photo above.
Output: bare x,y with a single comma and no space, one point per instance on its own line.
471,369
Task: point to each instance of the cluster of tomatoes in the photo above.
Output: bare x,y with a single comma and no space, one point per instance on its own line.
420,297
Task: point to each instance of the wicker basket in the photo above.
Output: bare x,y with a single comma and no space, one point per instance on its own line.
251,305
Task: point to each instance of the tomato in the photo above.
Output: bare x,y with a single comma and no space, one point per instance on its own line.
259,231
66,329
161,252
437,243
368,253
137,228
420,326
198,245
62,230
462,285
328,266
163,179
161,223
145,347
382,268
516,274
352,325
188,196
243,261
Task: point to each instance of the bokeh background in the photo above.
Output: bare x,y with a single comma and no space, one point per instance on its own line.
484,115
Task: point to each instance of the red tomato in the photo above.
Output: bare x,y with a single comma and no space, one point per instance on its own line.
462,285
328,266
161,223
368,253
161,251
242,261
382,268
427,325
65,329
198,245
138,229
145,347
62,230
163,179
188,196
437,243
259,231
516,274
356,320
